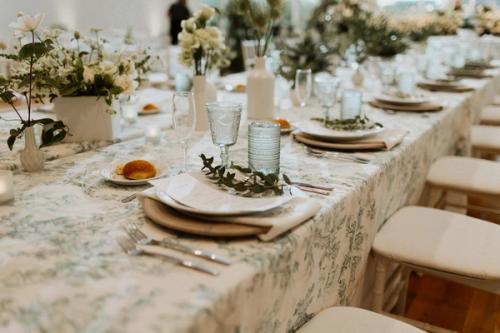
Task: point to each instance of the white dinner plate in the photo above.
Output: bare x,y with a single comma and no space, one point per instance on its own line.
193,193
110,175
316,129
402,100
443,83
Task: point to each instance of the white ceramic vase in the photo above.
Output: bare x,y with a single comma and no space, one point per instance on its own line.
204,93
32,158
260,91
88,118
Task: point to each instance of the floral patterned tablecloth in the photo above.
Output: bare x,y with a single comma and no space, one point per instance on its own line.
62,271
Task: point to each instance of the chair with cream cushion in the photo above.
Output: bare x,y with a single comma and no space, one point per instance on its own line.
453,246
485,141
345,319
490,115
477,179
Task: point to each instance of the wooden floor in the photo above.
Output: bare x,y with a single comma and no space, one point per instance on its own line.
452,306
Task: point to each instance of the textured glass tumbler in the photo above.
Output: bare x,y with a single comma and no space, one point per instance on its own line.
264,147
224,119
352,104
407,82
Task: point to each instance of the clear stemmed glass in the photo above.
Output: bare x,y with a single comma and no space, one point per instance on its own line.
303,86
224,119
183,119
326,91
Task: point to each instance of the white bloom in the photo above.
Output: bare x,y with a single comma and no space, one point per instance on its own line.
205,13
127,84
26,23
189,25
107,67
88,74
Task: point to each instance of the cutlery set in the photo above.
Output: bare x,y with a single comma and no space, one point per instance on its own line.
138,243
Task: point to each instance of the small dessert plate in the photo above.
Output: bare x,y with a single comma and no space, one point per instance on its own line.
110,175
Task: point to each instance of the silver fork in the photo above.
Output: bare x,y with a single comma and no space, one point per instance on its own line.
320,153
130,247
141,238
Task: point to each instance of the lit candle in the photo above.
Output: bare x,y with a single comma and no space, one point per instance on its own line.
152,134
6,186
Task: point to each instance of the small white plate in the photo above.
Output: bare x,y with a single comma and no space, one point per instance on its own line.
192,193
141,112
110,175
289,130
421,99
315,129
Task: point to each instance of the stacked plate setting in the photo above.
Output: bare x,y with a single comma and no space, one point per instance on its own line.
415,103
191,203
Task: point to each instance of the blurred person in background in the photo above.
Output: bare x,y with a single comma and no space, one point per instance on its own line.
177,12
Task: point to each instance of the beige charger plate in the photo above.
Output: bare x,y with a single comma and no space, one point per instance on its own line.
426,107
167,217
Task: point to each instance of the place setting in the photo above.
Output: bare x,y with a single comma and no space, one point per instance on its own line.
404,97
352,131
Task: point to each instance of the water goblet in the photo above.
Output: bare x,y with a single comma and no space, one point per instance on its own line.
387,74
224,119
407,83
303,86
183,119
326,90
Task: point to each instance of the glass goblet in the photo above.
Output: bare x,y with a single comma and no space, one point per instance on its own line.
326,90
224,119
303,86
183,119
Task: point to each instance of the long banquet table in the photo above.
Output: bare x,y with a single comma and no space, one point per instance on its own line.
62,271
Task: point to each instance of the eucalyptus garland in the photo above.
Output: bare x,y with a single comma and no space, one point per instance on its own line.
356,123
254,183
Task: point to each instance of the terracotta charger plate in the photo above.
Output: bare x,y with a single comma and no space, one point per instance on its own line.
167,217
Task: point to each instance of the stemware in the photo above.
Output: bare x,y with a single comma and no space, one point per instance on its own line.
407,82
303,86
224,119
183,119
326,91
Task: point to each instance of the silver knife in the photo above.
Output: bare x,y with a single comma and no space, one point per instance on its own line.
195,251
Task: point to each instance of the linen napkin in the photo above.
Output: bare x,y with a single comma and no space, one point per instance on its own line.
385,140
298,210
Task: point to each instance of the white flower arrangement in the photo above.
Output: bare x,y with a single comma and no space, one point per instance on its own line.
81,68
487,21
202,45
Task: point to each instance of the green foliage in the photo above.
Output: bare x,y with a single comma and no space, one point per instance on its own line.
308,53
254,183
357,123
261,17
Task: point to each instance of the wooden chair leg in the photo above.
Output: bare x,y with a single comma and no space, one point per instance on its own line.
379,285
401,304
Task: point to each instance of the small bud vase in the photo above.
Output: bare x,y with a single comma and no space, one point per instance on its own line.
32,158
260,92
204,93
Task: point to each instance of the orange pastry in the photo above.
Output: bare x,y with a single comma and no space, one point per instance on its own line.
284,124
150,107
139,169
240,88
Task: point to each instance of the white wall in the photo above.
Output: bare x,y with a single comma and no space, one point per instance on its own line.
146,16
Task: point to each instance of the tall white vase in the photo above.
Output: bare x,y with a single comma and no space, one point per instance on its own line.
204,93
88,118
32,158
260,91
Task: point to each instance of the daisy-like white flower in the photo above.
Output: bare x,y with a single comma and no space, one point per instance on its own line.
26,23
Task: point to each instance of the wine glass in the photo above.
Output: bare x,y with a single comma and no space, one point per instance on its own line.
326,91
183,119
303,86
224,119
